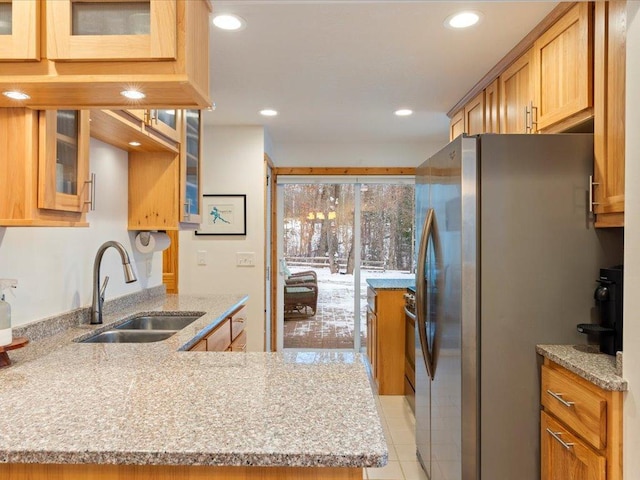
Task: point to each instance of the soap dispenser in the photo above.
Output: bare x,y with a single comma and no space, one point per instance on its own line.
6,338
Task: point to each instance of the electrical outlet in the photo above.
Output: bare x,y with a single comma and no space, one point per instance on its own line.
202,257
245,259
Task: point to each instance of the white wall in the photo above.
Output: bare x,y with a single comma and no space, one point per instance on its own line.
233,163
54,266
354,155
631,364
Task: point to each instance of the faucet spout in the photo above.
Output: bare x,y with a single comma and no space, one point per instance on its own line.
98,293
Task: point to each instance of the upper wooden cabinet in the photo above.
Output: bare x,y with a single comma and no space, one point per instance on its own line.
516,95
474,115
549,86
609,112
64,159
44,158
107,30
563,69
164,187
19,30
456,126
94,50
492,108
470,119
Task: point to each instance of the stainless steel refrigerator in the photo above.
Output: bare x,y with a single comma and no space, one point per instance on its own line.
507,260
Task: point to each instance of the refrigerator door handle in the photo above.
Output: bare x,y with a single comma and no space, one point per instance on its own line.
429,231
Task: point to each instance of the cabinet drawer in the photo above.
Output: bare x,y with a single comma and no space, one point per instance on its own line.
240,343
201,346
238,321
220,338
579,407
565,456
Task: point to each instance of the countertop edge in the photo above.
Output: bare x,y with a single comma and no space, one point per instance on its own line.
594,367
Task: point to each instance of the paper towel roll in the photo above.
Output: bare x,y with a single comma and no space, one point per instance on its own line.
155,242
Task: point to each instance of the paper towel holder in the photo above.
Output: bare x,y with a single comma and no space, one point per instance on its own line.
145,238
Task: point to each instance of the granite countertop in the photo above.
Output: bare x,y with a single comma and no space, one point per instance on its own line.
157,404
587,362
391,283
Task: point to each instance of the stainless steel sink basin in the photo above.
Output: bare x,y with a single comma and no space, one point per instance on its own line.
158,322
129,336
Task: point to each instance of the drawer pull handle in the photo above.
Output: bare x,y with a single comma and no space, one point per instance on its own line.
556,435
558,396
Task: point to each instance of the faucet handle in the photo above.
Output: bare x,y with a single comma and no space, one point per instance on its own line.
103,288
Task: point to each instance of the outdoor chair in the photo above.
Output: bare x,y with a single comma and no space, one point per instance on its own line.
301,298
300,291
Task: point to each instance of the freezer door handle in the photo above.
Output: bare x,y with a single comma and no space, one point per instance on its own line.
425,331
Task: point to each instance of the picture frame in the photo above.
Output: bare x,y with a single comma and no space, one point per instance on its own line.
223,215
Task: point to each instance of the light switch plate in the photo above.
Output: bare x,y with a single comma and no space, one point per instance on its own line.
245,259
201,257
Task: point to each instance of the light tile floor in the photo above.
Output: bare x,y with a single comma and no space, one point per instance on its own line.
398,423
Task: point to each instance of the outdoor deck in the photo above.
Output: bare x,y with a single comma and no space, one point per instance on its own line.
333,324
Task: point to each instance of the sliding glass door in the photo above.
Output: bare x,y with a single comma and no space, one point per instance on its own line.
335,233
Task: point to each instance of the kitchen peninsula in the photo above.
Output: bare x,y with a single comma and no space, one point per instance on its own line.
155,410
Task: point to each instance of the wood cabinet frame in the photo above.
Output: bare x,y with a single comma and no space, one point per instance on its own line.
48,195
160,43
94,74
24,41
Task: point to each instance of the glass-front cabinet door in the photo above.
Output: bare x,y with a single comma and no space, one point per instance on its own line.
63,160
166,122
190,167
111,29
19,30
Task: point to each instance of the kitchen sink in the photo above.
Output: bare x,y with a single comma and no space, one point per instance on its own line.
158,322
129,336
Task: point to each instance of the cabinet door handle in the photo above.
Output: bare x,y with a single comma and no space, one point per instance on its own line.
92,197
533,122
527,128
187,210
556,435
591,202
558,396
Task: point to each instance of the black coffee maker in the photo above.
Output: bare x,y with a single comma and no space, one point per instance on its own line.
608,297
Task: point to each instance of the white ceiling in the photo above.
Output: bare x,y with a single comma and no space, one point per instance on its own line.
337,70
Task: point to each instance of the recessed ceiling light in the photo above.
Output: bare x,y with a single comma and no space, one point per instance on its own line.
227,21
462,19
404,112
135,144
133,94
267,112
16,95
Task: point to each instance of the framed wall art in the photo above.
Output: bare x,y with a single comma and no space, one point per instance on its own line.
223,215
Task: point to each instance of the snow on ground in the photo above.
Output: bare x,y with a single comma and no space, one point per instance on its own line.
333,325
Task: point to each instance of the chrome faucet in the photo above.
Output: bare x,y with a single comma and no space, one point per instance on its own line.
98,292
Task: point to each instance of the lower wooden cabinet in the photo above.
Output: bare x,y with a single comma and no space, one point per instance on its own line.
580,428
566,456
229,336
386,339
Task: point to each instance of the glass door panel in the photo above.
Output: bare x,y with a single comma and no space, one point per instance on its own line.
6,15
192,164
111,18
387,222
67,152
19,40
319,254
